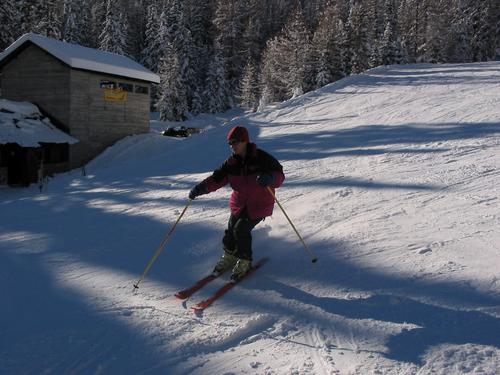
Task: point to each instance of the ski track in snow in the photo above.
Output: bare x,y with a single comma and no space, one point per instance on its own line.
392,179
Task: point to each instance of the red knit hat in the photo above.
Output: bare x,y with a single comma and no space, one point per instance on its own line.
239,133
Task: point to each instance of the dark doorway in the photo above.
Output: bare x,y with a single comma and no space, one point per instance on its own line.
22,164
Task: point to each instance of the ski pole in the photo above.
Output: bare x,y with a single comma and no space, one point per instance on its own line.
161,247
313,257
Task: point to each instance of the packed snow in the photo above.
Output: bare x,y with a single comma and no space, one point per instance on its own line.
392,180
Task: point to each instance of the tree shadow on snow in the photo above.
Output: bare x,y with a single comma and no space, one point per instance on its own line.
362,140
438,325
396,299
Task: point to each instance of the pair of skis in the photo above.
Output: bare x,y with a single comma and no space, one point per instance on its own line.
201,306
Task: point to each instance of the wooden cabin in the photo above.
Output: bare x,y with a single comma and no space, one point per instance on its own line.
97,97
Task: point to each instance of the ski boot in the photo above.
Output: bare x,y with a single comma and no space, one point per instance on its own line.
226,262
240,269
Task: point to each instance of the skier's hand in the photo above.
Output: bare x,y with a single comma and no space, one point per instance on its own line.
266,179
199,189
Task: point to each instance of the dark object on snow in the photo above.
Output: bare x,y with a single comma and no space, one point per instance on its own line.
180,132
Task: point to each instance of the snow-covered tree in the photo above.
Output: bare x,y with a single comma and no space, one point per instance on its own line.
458,48
46,17
326,47
375,21
390,50
436,32
152,49
217,94
483,14
75,22
136,16
197,17
172,104
178,38
252,40
113,35
295,68
358,37
8,22
250,88
229,25
412,24
271,86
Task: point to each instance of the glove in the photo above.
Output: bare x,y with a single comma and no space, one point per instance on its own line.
199,189
266,179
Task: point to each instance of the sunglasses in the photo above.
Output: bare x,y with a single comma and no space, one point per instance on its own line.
233,142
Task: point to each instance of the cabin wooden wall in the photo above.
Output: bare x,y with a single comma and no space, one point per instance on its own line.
99,123
36,76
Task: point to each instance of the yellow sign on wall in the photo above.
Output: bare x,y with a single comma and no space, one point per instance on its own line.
115,95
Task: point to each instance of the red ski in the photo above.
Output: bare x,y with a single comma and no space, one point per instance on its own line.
186,293
198,308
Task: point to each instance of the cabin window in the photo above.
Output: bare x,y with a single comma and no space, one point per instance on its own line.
126,86
105,84
141,89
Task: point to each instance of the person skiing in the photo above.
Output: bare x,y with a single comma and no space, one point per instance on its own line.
250,171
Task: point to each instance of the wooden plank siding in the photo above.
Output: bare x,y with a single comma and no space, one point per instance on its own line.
101,123
37,77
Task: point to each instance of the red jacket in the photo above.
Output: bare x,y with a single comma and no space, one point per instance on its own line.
241,174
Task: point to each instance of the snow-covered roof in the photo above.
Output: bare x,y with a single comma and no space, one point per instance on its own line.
22,123
80,57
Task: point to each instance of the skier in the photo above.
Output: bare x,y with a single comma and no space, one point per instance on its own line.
249,171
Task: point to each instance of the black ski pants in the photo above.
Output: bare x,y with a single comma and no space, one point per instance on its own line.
238,237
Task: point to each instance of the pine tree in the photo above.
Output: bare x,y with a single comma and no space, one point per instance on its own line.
249,88
229,25
345,47
360,50
113,36
458,45
375,20
482,18
218,97
295,54
390,51
46,16
172,104
158,49
136,16
413,19
75,22
271,86
252,40
323,74
198,14
152,50
326,47
178,37
7,23
436,32
97,21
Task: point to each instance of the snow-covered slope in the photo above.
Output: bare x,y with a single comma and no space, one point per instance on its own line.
392,179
